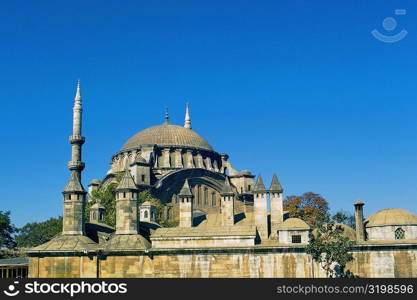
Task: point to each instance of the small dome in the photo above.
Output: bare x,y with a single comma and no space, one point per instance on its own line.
167,135
146,203
348,231
95,181
245,172
391,216
293,223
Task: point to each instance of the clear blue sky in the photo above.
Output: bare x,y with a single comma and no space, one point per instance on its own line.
300,88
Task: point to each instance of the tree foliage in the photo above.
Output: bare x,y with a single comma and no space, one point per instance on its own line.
34,234
107,197
330,247
308,207
344,218
6,231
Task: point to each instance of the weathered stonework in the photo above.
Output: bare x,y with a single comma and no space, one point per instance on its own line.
254,262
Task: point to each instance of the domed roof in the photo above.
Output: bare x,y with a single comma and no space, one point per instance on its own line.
293,223
391,216
167,135
348,231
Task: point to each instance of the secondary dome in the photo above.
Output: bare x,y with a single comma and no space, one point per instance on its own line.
391,216
293,223
167,135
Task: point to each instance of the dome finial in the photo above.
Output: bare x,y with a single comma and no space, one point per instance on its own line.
187,123
166,116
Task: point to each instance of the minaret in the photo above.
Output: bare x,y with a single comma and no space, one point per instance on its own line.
76,139
186,205
227,204
276,199
187,123
260,206
74,192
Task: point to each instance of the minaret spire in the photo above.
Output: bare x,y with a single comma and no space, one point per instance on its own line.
187,123
76,139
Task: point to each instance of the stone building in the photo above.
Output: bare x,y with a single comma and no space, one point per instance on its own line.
228,225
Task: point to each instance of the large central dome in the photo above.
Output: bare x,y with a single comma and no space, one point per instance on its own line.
167,135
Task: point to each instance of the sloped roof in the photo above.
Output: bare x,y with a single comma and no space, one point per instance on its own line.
126,183
74,185
127,242
215,231
67,243
259,185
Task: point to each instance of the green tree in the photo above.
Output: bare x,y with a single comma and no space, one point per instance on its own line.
344,218
107,197
308,207
330,247
6,231
37,233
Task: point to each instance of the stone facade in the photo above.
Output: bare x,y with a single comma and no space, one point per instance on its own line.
258,262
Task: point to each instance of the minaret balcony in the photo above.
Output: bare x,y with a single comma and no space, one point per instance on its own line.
76,165
77,139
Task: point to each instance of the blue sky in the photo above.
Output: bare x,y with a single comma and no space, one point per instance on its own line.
300,88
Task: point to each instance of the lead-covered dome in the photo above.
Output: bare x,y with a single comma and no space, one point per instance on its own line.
167,135
391,216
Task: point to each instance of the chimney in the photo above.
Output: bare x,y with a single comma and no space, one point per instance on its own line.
360,230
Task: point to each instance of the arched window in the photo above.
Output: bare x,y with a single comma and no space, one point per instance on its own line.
94,215
399,234
146,214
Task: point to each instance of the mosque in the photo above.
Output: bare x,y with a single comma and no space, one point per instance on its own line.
227,224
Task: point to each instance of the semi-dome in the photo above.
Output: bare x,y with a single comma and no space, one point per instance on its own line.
391,216
167,135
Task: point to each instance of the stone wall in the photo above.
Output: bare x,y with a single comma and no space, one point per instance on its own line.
246,263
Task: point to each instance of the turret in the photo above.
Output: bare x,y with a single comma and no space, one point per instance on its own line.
360,229
97,213
74,193
186,205
227,203
127,205
74,203
147,212
260,208
276,199
141,171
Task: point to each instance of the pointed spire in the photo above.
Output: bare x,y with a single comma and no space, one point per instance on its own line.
275,185
185,190
187,123
126,183
259,186
78,93
166,116
227,187
74,185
